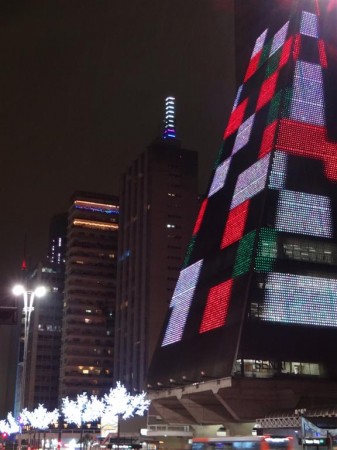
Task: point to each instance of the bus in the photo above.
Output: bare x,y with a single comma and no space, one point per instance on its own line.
243,443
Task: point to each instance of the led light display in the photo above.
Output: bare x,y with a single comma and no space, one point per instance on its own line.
297,46
237,98
244,254
219,178
308,98
181,302
235,224
267,91
268,138
95,224
266,250
309,24
200,217
259,43
256,55
300,299
251,181
94,206
236,118
270,209
189,250
216,307
302,213
243,134
278,173
322,54
308,140
279,39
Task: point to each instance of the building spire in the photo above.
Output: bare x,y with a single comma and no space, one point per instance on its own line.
169,122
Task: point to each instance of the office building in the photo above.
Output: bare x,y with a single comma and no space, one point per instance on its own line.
44,338
158,204
258,293
89,296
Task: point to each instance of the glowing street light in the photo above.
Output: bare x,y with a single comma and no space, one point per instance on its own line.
28,307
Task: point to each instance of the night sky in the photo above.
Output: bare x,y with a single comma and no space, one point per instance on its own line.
83,84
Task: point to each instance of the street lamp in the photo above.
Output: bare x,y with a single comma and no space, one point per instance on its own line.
28,299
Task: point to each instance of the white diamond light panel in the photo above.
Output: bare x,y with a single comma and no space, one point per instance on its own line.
279,39
251,181
181,302
309,24
259,43
219,178
243,135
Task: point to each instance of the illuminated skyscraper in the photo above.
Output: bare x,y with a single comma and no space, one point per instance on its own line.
258,292
89,297
159,199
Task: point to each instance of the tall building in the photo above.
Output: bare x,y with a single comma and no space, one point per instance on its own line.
44,340
257,295
89,297
158,204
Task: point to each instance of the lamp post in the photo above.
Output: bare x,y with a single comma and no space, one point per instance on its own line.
28,302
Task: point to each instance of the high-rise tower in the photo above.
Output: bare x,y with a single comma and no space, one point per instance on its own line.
89,297
159,201
258,292
44,340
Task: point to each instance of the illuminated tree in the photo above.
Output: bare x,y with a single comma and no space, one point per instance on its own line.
40,418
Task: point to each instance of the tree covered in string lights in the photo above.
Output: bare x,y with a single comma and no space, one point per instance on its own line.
118,403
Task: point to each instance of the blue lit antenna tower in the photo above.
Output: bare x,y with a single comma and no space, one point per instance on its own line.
170,121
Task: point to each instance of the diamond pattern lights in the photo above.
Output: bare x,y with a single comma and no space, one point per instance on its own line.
243,135
219,178
279,39
216,307
251,181
256,55
298,212
300,299
181,302
309,24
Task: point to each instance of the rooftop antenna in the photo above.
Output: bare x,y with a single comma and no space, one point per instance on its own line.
169,122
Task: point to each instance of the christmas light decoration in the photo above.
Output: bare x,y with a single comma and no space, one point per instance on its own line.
180,303
243,134
216,307
40,418
235,224
200,217
270,242
219,178
251,181
9,425
309,24
74,411
119,403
